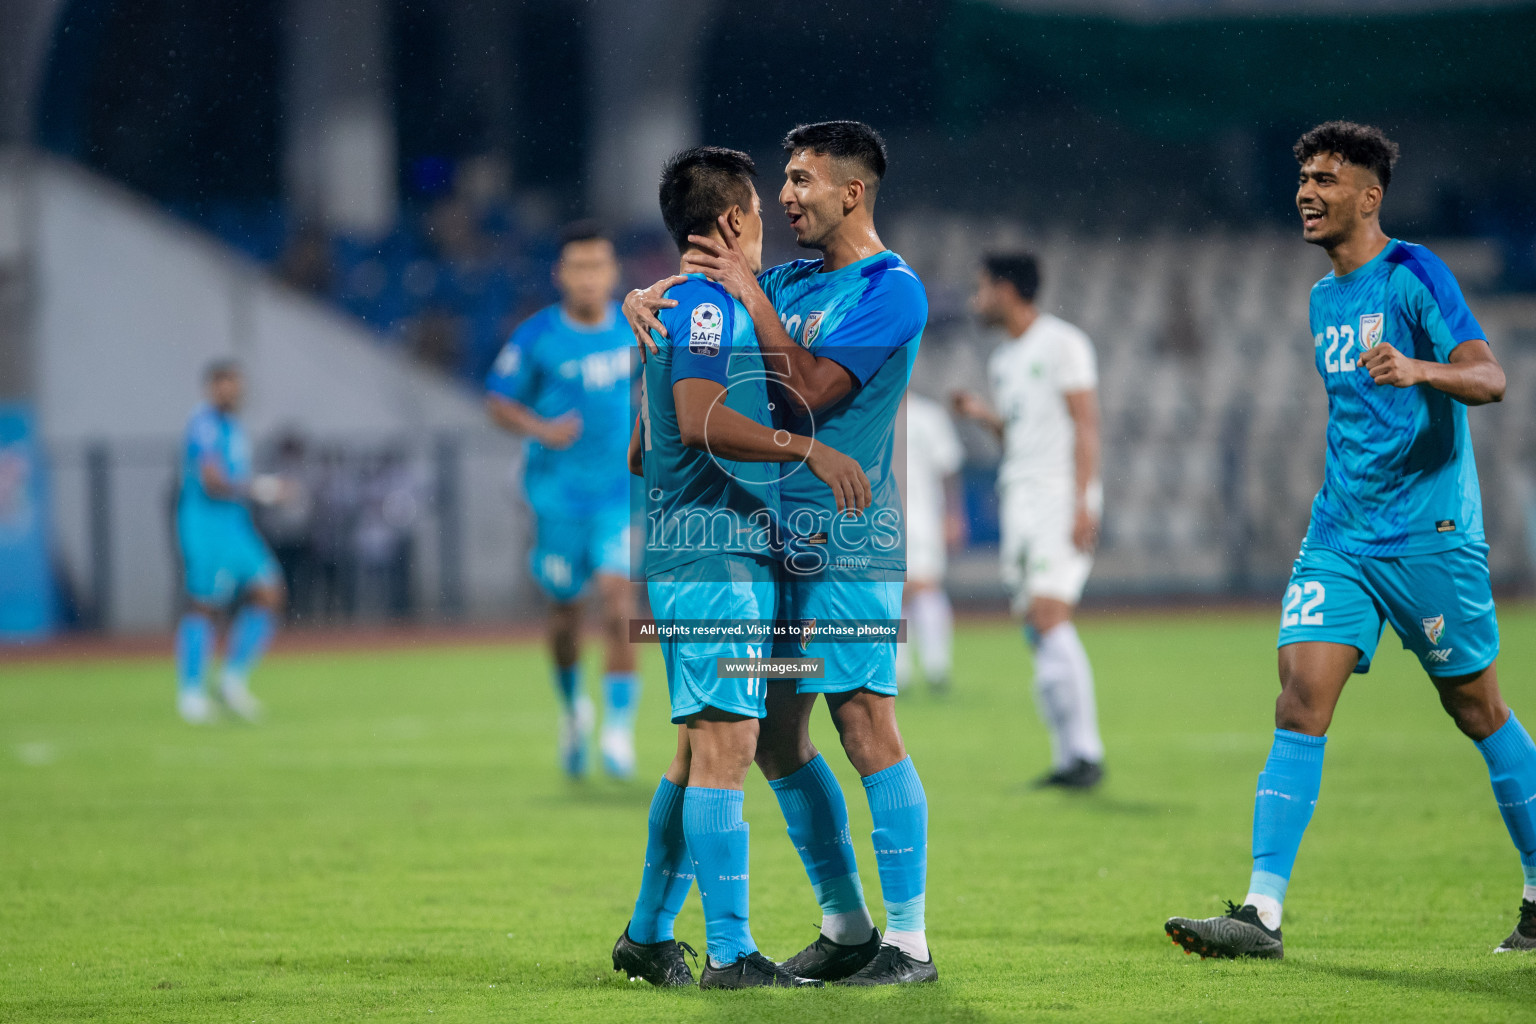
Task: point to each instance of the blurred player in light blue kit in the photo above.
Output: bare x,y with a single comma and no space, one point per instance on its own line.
846,327
707,446
1397,528
563,381
224,559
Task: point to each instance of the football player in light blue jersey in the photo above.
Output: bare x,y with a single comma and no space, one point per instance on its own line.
564,381
847,326
1397,532
224,559
707,446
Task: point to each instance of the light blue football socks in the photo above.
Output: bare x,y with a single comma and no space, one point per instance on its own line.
621,695
817,816
717,841
899,809
668,873
1511,758
1287,793
194,643
249,636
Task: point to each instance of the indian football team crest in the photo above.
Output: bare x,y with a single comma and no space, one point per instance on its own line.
1371,330
704,330
1434,628
813,326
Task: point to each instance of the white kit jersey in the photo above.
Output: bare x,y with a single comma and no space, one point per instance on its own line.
1030,377
933,453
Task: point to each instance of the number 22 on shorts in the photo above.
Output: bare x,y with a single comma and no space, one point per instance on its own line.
1302,602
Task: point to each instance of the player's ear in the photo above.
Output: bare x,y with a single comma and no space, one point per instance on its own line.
853,194
734,217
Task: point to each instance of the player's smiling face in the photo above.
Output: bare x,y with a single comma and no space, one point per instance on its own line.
812,197
1329,198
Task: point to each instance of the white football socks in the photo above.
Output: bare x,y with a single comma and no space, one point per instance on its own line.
1268,907
914,944
1064,688
1529,893
933,623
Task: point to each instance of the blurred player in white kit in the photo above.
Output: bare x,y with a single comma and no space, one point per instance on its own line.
1044,410
933,458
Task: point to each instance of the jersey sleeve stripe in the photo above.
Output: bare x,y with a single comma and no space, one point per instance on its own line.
1442,287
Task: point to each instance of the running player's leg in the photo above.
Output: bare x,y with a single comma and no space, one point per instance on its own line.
1441,606
1478,708
1330,623
558,561
576,712
621,686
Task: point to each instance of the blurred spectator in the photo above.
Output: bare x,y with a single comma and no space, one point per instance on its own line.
385,536
289,523
306,262
337,499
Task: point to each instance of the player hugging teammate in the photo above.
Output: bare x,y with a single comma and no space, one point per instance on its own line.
836,337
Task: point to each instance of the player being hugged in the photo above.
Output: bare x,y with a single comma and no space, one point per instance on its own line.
1396,533
224,559
845,328
708,446
563,381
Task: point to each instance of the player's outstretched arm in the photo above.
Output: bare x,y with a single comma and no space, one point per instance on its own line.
813,382
641,306
1472,375
972,406
558,433
706,423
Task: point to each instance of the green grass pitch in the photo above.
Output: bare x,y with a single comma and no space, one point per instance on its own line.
395,844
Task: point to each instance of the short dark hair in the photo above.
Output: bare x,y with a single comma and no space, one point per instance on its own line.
699,184
582,231
844,140
219,369
1360,144
1019,269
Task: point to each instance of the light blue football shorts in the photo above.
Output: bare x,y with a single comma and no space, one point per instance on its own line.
1440,605
850,598
567,552
222,561
716,588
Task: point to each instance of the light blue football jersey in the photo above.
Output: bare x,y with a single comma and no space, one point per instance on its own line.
697,505
1399,477
554,365
213,434
869,317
